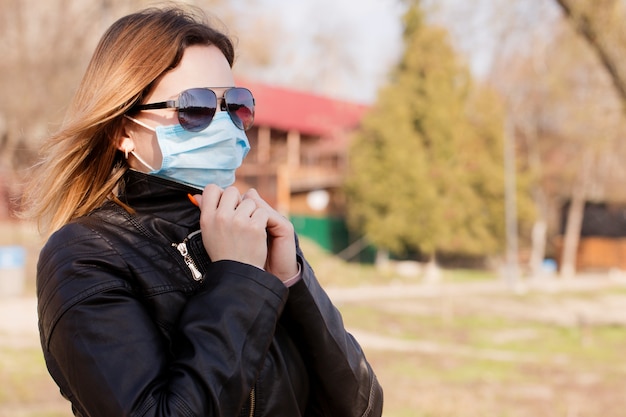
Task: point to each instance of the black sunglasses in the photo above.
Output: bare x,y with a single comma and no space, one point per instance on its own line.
197,106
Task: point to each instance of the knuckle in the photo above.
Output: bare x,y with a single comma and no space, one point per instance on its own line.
221,216
231,191
212,189
247,204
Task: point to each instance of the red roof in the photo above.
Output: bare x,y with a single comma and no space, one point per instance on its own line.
285,109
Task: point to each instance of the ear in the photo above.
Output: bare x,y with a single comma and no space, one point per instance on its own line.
125,142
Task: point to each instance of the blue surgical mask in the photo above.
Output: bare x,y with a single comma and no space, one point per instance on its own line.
210,156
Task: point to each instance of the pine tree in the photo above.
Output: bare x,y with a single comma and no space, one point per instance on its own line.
426,165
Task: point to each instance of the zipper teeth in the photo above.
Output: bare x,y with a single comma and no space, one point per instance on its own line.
197,274
252,402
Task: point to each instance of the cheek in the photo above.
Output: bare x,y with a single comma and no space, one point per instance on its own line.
146,143
147,147
155,150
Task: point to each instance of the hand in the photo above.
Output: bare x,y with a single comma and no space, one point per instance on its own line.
232,228
281,256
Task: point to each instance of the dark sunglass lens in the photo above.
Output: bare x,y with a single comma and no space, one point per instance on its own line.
197,107
240,106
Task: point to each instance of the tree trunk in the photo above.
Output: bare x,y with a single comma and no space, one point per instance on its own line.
540,228
382,259
538,250
432,272
575,218
572,233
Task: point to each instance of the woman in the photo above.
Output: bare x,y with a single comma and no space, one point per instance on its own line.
164,291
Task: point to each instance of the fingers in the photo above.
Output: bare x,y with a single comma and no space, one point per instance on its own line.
277,224
226,202
238,227
232,228
247,210
229,199
215,197
281,259
211,195
253,195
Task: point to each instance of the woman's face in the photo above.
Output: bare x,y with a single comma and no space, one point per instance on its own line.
200,66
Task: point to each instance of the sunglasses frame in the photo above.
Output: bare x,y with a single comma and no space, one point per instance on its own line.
221,101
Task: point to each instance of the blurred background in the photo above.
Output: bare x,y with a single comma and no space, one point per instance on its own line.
453,168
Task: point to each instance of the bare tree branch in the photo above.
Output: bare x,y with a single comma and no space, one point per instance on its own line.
596,21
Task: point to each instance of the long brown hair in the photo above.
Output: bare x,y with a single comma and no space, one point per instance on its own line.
81,165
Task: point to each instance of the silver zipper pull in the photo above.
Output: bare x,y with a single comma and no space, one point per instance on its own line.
182,248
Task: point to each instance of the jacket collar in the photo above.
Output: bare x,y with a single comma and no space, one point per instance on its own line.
160,197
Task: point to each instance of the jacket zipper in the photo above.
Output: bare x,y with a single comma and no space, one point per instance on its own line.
252,402
191,264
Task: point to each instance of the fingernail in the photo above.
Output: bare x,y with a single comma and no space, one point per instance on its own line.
193,200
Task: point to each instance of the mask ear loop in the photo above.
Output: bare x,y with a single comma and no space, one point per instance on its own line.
140,159
132,151
140,123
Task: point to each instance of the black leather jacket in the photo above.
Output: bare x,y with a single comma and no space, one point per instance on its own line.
135,320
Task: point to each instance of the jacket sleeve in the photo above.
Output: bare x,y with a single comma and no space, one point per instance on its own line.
106,353
344,382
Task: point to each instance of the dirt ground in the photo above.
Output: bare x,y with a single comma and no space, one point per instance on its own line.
441,371
18,331
18,315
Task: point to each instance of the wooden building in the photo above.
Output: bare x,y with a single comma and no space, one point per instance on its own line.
298,157
602,244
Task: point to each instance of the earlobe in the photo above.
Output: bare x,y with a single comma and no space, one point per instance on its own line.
125,143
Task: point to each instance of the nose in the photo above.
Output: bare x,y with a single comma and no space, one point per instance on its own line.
222,104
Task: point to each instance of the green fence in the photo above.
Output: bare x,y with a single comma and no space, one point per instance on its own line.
328,232
331,233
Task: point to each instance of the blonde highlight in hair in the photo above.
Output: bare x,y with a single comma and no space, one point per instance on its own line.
81,165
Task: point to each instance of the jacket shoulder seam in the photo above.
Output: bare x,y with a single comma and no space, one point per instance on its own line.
83,295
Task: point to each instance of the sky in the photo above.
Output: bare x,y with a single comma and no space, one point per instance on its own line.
370,39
